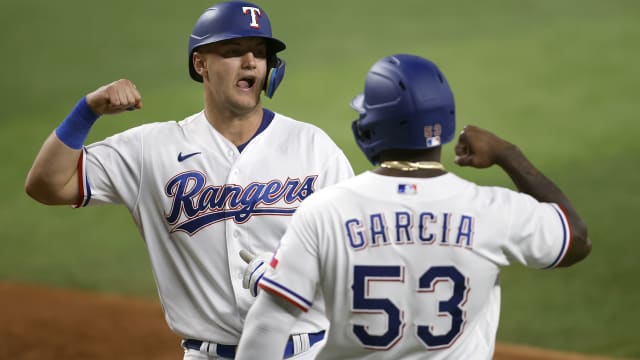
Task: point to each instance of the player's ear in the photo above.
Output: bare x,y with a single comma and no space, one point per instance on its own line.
199,63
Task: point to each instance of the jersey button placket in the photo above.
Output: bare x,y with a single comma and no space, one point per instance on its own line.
236,234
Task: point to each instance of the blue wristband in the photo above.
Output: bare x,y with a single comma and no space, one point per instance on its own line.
74,129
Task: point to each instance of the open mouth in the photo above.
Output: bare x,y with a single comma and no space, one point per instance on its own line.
246,82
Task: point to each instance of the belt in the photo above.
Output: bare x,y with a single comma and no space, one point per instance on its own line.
296,344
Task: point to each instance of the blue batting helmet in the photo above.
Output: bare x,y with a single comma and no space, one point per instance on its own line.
238,19
407,104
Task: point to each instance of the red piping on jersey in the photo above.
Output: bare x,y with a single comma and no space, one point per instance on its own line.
80,180
275,293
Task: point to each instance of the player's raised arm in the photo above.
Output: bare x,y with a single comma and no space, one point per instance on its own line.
480,149
53,177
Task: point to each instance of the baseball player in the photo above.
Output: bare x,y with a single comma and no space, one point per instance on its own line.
407,256
200,190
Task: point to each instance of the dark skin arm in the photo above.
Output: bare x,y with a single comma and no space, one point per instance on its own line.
481,149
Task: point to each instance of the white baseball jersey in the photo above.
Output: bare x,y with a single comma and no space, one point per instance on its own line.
197,201
409,267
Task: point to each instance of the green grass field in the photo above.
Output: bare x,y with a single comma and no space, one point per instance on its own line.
559,78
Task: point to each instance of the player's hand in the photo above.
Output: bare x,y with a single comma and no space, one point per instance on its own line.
119,96
254,271
480,148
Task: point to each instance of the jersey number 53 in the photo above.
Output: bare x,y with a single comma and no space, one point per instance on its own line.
363,278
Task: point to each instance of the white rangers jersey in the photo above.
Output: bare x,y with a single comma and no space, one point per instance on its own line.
409,267
197,201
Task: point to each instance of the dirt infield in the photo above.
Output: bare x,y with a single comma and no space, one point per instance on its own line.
44,323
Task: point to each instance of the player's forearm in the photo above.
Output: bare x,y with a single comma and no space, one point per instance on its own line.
52,179
267,328
528,179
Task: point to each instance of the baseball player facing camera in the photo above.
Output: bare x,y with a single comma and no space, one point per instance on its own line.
408,256
200,190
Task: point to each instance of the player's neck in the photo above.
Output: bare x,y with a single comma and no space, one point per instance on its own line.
237,128
411,163
414,172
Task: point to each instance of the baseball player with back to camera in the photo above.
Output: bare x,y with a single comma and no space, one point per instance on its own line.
225,179
408,255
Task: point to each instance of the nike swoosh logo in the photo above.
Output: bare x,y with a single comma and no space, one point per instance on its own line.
184,157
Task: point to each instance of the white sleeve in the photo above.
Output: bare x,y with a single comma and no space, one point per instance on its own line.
111,170
266,328
538,234
294,271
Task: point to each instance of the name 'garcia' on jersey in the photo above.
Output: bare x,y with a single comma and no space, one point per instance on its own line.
204,204
407,228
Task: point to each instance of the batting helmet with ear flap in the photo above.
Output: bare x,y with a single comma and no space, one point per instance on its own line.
407,104
238,19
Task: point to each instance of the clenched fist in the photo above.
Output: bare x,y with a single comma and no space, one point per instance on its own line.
119,96
480,148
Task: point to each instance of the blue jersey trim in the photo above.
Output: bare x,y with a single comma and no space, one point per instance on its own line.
564,240
87,192
284,290
267,117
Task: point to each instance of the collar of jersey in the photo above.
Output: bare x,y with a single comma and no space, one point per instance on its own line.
267,117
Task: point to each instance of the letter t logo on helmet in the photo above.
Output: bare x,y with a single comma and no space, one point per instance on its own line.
255,12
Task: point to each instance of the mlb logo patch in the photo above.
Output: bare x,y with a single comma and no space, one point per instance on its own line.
409,189
433,141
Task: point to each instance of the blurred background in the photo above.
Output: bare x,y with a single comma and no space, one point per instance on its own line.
559,78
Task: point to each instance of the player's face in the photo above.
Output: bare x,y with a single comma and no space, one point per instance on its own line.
235,71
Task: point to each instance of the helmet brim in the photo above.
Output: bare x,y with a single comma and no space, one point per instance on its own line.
357,104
